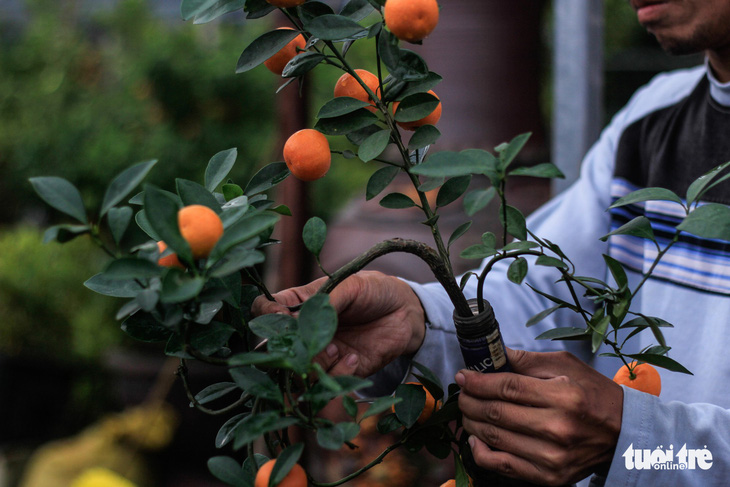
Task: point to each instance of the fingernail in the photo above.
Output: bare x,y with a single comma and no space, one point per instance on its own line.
472,442
352,360
459,378
331,350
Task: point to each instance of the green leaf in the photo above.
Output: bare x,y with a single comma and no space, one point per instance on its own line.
515,222
215,391
380,405
350,406
517,270
177,286
266,178
430,381
342,105
638,227
357,137
548,261
460,230
64,233
61,195
113,287
564,333
452,190
119,219
142,327
423,85
285,461
430,184
413,400
477,251
131,268
161,214
332,437
255,9
396,201
221,7
248,227
263,47
542,315
478,199
225,433
268,326
256,425
415,107
380,180
661,361
424,136
647,194
449,164
411,67
192,193
301,64
357,9
617,271
231,191
207,340
334,27
124,183
314,235
702,184
312,9
490,240
256,383
218,168
345,124
317,323
190,8
544,170
508,154
144,224
228,471
708,221
237,258
516,245
374,145
388,50
599,332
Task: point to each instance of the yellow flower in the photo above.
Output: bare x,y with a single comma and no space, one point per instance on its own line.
100,477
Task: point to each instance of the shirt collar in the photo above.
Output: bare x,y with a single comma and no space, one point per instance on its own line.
720,92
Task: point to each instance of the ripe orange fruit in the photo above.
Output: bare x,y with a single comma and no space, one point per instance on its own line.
411,20
277,62
295,478
429,408
646,378
430,119
201,227
452,483
169,260
307,154
285,3
347,85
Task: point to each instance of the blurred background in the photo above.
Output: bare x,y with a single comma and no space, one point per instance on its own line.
88,88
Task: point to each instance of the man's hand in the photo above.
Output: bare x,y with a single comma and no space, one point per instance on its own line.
555,420
380,318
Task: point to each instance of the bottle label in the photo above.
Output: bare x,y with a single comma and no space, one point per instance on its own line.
484,354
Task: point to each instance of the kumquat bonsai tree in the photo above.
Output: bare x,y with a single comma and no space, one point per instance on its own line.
192,284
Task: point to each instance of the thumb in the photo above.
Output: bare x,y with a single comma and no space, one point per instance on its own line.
542,365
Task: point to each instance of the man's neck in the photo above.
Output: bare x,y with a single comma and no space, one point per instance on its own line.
720,63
